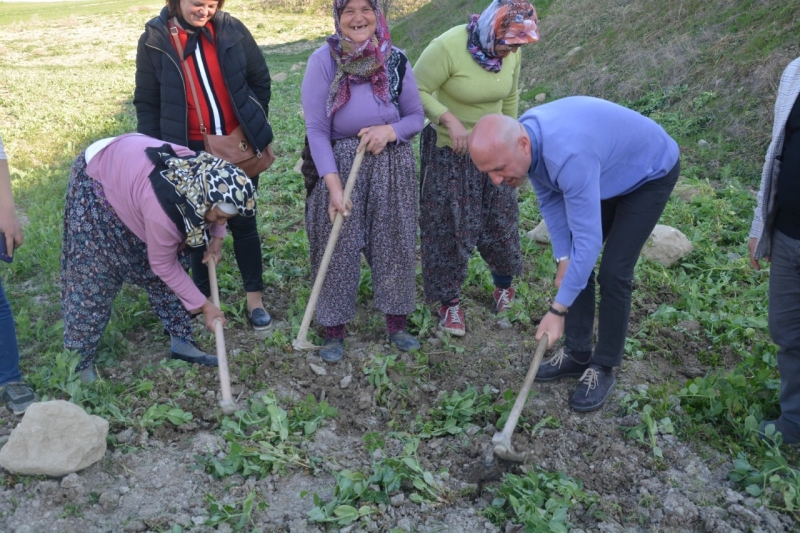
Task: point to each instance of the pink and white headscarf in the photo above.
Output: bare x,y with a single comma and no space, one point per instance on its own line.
358,62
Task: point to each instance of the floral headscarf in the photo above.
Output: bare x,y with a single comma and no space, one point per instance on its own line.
503,22
358,62
187,187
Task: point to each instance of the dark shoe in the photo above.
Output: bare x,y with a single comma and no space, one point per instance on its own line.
769,430
561,365
205,360
18,396
259,319
404,341
595,388
87,374
332,351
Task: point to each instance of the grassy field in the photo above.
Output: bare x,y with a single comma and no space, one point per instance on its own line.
705,70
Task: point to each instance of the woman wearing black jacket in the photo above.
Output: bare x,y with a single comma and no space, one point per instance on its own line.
232,84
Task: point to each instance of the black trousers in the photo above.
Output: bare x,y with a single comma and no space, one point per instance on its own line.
628,221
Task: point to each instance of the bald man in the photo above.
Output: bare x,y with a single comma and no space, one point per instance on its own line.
602,174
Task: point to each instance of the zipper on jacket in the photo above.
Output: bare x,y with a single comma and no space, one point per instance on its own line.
185,96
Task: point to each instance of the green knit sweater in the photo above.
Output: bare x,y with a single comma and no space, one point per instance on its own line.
450,79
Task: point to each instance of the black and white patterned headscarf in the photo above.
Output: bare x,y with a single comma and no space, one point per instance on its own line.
187,187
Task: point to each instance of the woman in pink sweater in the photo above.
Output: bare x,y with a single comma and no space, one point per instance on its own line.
134,206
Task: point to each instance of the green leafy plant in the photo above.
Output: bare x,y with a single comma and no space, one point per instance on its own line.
157,414
540,500
453,412
238,514
356,493
262,438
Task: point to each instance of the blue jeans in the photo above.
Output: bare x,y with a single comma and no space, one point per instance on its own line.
627,222
784,323
9,353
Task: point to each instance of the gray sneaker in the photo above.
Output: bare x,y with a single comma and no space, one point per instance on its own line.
18,396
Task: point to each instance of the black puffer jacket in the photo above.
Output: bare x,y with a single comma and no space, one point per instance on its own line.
160,94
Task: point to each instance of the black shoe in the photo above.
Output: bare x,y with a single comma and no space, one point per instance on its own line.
205,360
595,388
259,319
769,434
18,396
332,351
404,341
561,365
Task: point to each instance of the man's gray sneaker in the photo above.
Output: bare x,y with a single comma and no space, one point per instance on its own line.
18,396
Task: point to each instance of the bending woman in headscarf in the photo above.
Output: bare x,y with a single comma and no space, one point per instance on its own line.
359,86
134,204
468,72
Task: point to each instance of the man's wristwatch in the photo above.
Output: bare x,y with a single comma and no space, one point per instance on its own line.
562,258
557,312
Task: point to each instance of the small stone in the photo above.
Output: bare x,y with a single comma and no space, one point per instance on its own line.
378,455
108,500
318,370
404,524
539,234
199,520
124,437
692,327
702,143
666,245
280,76
472,430
345,382
398,499
574,51
733,256
296,66
539,98
504,323
72,481
135,526
298,167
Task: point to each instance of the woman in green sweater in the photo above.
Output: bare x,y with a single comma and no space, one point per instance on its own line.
468,72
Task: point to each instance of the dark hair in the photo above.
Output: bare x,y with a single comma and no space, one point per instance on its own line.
174,7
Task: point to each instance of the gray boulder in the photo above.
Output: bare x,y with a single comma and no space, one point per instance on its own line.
666,245
54,438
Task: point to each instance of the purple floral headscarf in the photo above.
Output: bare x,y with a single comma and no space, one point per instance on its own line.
503,22
358,62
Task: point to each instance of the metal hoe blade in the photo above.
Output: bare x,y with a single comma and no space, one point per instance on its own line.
502,439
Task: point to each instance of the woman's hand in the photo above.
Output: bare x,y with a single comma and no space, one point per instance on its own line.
336,197
751,245
374,138
458,133
212,313
9,224
213,251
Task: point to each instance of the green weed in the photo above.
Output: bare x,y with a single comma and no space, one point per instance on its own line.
238,514
356,494
539,500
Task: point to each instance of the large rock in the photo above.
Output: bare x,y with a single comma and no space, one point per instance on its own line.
54,439
539,234
667,245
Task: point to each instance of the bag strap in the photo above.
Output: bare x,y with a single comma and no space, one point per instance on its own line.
173,30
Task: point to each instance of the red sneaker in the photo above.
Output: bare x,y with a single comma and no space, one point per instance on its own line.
503,299
451,319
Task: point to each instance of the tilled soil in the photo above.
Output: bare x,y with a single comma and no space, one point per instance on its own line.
151,481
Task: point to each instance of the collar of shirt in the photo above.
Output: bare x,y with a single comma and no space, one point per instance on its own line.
534,149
